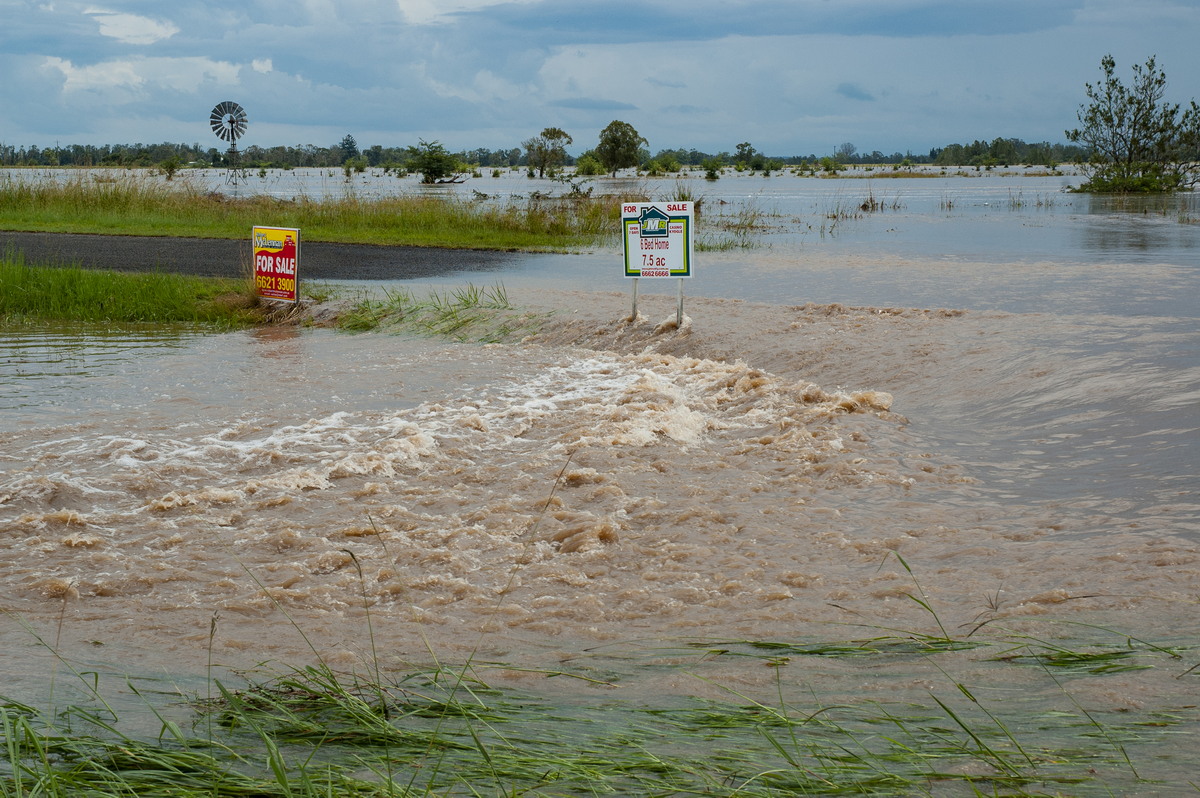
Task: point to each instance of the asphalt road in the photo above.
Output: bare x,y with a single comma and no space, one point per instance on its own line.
211,257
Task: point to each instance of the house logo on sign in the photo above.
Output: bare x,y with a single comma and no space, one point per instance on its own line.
653,223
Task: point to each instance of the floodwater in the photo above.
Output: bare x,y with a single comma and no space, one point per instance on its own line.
985,395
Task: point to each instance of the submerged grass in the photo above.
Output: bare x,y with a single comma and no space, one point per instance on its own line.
447,731
143,205
73,294
738,227
471,313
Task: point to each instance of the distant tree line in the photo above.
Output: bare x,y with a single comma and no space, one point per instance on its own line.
1006,152
544,154
278,157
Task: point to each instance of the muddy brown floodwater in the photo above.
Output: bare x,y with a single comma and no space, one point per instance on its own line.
601,482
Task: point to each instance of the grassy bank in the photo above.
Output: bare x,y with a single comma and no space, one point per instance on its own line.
144,205
67,294
30,293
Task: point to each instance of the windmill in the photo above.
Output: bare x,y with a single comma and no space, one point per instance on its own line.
228,122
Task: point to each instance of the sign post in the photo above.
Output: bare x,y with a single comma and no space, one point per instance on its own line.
657,241
276,262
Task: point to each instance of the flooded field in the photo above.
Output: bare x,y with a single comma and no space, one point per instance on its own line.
969,417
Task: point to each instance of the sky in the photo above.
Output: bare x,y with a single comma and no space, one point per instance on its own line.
792,77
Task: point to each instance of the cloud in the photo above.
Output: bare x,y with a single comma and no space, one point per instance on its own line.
107,76
592,104
428,12
131,28
122,75
852,91
666,84
483,87
615,21
1122,12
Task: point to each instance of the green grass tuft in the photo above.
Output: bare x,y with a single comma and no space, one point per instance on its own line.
468,314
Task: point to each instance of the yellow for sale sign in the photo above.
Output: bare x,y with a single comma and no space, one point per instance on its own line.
276,262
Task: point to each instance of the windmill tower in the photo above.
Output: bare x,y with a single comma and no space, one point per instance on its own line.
228,121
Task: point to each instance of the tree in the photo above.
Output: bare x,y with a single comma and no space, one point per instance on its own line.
619,146
432,160
588,164
349,148
548,150
831,165
170,166
1137,142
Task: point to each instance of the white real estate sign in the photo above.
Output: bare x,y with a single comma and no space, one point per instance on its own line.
657,238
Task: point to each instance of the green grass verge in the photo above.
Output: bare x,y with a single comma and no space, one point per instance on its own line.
31,295
68,294
143,205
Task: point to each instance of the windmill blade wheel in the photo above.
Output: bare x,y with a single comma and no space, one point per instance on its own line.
228,121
